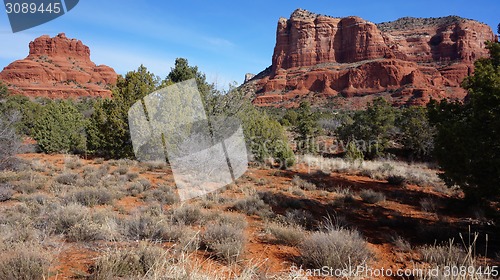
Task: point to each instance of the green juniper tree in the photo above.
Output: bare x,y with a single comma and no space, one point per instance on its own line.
3,90
467,143
60,128
307,129
108,130
375,127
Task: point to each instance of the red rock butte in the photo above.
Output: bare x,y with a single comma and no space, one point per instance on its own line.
408,61
58,67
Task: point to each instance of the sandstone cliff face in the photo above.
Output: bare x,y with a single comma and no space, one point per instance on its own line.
409,60
58,67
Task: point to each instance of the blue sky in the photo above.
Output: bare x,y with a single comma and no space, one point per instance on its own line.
225,39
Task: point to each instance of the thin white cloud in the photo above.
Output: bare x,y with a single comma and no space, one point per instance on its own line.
219,42
162,28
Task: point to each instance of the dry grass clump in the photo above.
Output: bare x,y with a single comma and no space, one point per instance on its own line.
294,190
149,261
237,220
90,196
337,249
143,226
142,262
152,224
63,217
18,227
300,217
100,225
226,241
68,178
163,194
187,215
443,255
79,223
7,176
121,170
72,162
413,173
137,188
253,205
401,244
371,196
429,205
449,255
38,166
6,192
152,165
30,182
303,184
24,261
285,234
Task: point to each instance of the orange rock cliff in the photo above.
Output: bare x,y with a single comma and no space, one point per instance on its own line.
410,60
58,67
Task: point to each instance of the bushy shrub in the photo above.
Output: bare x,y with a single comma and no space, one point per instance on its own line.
63,218
307,129
67,178
163,194
3,90
286,234
353,153
466,145
60,128
396,180
90,196
336,249
10,141
130,263
417,134
266,138
226,241
371,196
253,205
25,261
187,214
303,184
144,227
374,127
108,130
6,192
28,111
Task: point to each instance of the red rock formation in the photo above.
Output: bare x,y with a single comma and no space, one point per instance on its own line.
58,68
409,60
